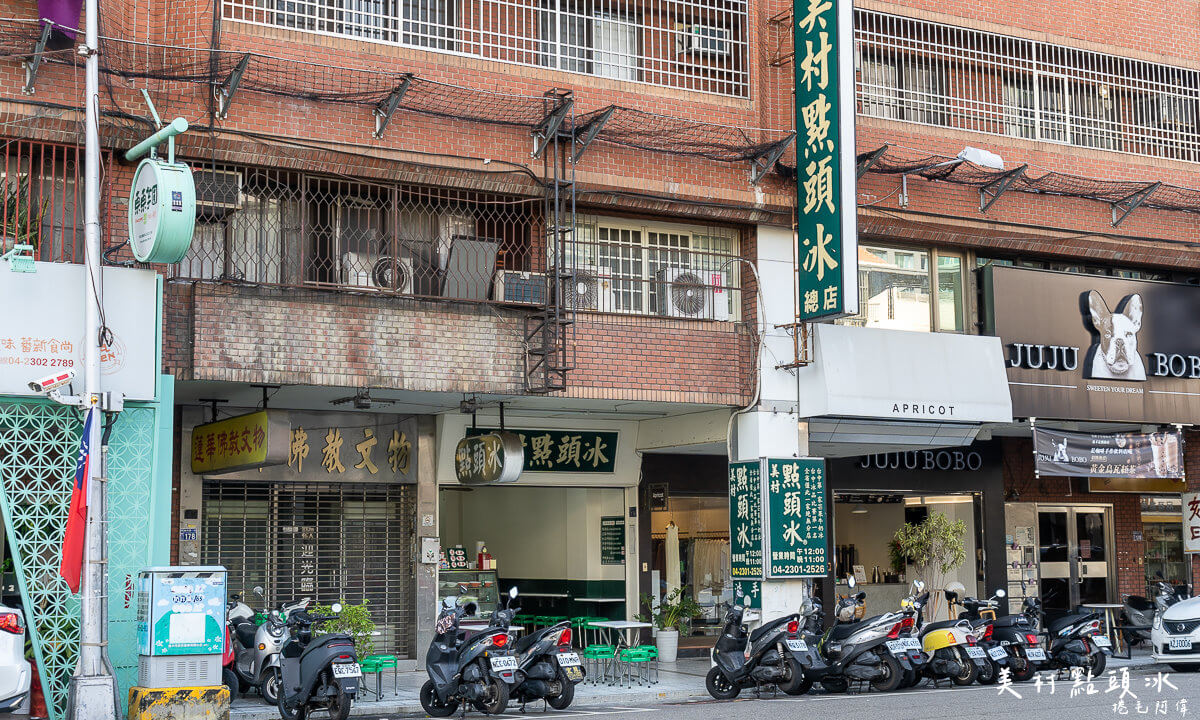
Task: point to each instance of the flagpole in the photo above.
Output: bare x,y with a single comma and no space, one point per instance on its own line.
92,693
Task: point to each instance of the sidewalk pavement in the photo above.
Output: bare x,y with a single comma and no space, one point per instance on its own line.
679,681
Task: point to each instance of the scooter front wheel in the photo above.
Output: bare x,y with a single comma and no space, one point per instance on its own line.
719,686
270,687
230,680
434,706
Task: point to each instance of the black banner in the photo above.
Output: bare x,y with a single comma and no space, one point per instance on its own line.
1116,455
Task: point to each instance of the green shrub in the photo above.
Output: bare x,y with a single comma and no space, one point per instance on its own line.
354,620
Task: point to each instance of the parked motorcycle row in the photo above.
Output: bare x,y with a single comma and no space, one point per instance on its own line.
901,649
277,653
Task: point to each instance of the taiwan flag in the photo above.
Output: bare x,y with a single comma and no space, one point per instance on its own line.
73,540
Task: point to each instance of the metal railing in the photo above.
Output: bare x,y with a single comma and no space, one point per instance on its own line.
266,226
692,44
41,199
937,74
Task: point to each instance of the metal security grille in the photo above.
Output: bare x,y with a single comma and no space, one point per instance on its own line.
692,44
328,542
936,74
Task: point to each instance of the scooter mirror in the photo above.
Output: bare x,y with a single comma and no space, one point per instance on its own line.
919,585
806,607
512,592
336,608
258,590
851,581
1001,594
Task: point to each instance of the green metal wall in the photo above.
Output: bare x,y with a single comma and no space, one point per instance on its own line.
39,441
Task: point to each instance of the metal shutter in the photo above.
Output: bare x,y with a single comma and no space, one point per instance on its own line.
328,542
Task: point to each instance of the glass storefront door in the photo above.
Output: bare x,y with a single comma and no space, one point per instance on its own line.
1074,555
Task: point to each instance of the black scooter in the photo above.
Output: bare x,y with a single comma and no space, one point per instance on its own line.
319,673
878,650
477,669
549,667
1075,639
778,655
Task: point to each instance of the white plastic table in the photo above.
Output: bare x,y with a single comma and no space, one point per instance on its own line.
621,626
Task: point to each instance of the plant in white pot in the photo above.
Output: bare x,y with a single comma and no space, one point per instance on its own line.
670,616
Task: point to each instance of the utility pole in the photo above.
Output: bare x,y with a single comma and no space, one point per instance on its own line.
93,689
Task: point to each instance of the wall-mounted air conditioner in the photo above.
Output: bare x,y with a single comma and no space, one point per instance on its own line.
588,288
696,294
369,271
513,286
704,40
217,191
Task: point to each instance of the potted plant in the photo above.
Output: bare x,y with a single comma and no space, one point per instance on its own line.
674,613
935,548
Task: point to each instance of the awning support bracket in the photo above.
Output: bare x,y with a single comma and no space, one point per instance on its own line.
225,91
762,163
1121,208
590,131
35,60
990,193
547,129
387,107
868,161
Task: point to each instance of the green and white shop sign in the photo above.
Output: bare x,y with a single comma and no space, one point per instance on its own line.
162,211
181,611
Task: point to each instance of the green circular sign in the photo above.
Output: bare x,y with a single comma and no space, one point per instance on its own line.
162,211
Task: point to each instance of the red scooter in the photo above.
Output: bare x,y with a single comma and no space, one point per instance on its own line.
228,677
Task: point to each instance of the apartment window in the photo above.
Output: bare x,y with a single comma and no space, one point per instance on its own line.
910,289
597,43
661,269
902,88
430,23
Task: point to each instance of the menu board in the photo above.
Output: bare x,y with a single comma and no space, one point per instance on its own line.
796,529
612,540
457,557
745,520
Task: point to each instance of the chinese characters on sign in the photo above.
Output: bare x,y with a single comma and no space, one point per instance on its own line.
745,520
612,540
1191,522
493,457
796,527
751,593
826,230
255,440
565,450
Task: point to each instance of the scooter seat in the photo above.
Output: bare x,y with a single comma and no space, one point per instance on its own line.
1055,625
1009,621
841,631
939,625
770,627
245,633
1139,603
525,642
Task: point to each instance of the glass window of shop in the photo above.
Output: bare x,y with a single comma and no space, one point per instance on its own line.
911,289
1086,269
1163,536
865,526
699,543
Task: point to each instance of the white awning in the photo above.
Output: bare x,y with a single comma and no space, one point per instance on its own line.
884,390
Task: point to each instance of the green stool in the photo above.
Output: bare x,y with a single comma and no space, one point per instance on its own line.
636,657
652,651
370,665
598,658
385,662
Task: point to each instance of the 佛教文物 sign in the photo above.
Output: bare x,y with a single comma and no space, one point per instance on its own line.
254,440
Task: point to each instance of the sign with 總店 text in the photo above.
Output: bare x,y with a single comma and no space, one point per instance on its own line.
255,440
827,239
574,451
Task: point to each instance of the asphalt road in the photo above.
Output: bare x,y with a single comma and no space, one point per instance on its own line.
1144,697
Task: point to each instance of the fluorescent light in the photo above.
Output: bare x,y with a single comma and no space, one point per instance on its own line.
859,509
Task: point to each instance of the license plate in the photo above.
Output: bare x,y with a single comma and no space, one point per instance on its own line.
896,647
1101,641
1035,654
504,662
346,670
797,646
568,659
911,644
1180,643
975,652
997,653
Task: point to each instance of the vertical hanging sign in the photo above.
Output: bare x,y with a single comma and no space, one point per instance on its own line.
745,520
796,527
826,232
1191,522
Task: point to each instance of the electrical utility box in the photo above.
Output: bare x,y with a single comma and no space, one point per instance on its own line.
181,626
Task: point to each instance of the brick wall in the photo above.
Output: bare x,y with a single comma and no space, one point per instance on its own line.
259,335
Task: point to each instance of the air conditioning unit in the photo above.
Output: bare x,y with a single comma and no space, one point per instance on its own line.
512,286
704,40
369,271
696,294
218,190
588,288
394,274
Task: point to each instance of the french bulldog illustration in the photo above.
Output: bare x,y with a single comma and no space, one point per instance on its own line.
1116,356
1060,452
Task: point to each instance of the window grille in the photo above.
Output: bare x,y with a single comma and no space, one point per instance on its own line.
938,74
691,44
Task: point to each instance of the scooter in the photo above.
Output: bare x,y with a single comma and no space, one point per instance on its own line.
229,678
876,650
320,673
952,647
478,669
1138,614
981,614
549,668
257,646
1010,640
777,654
1075,641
